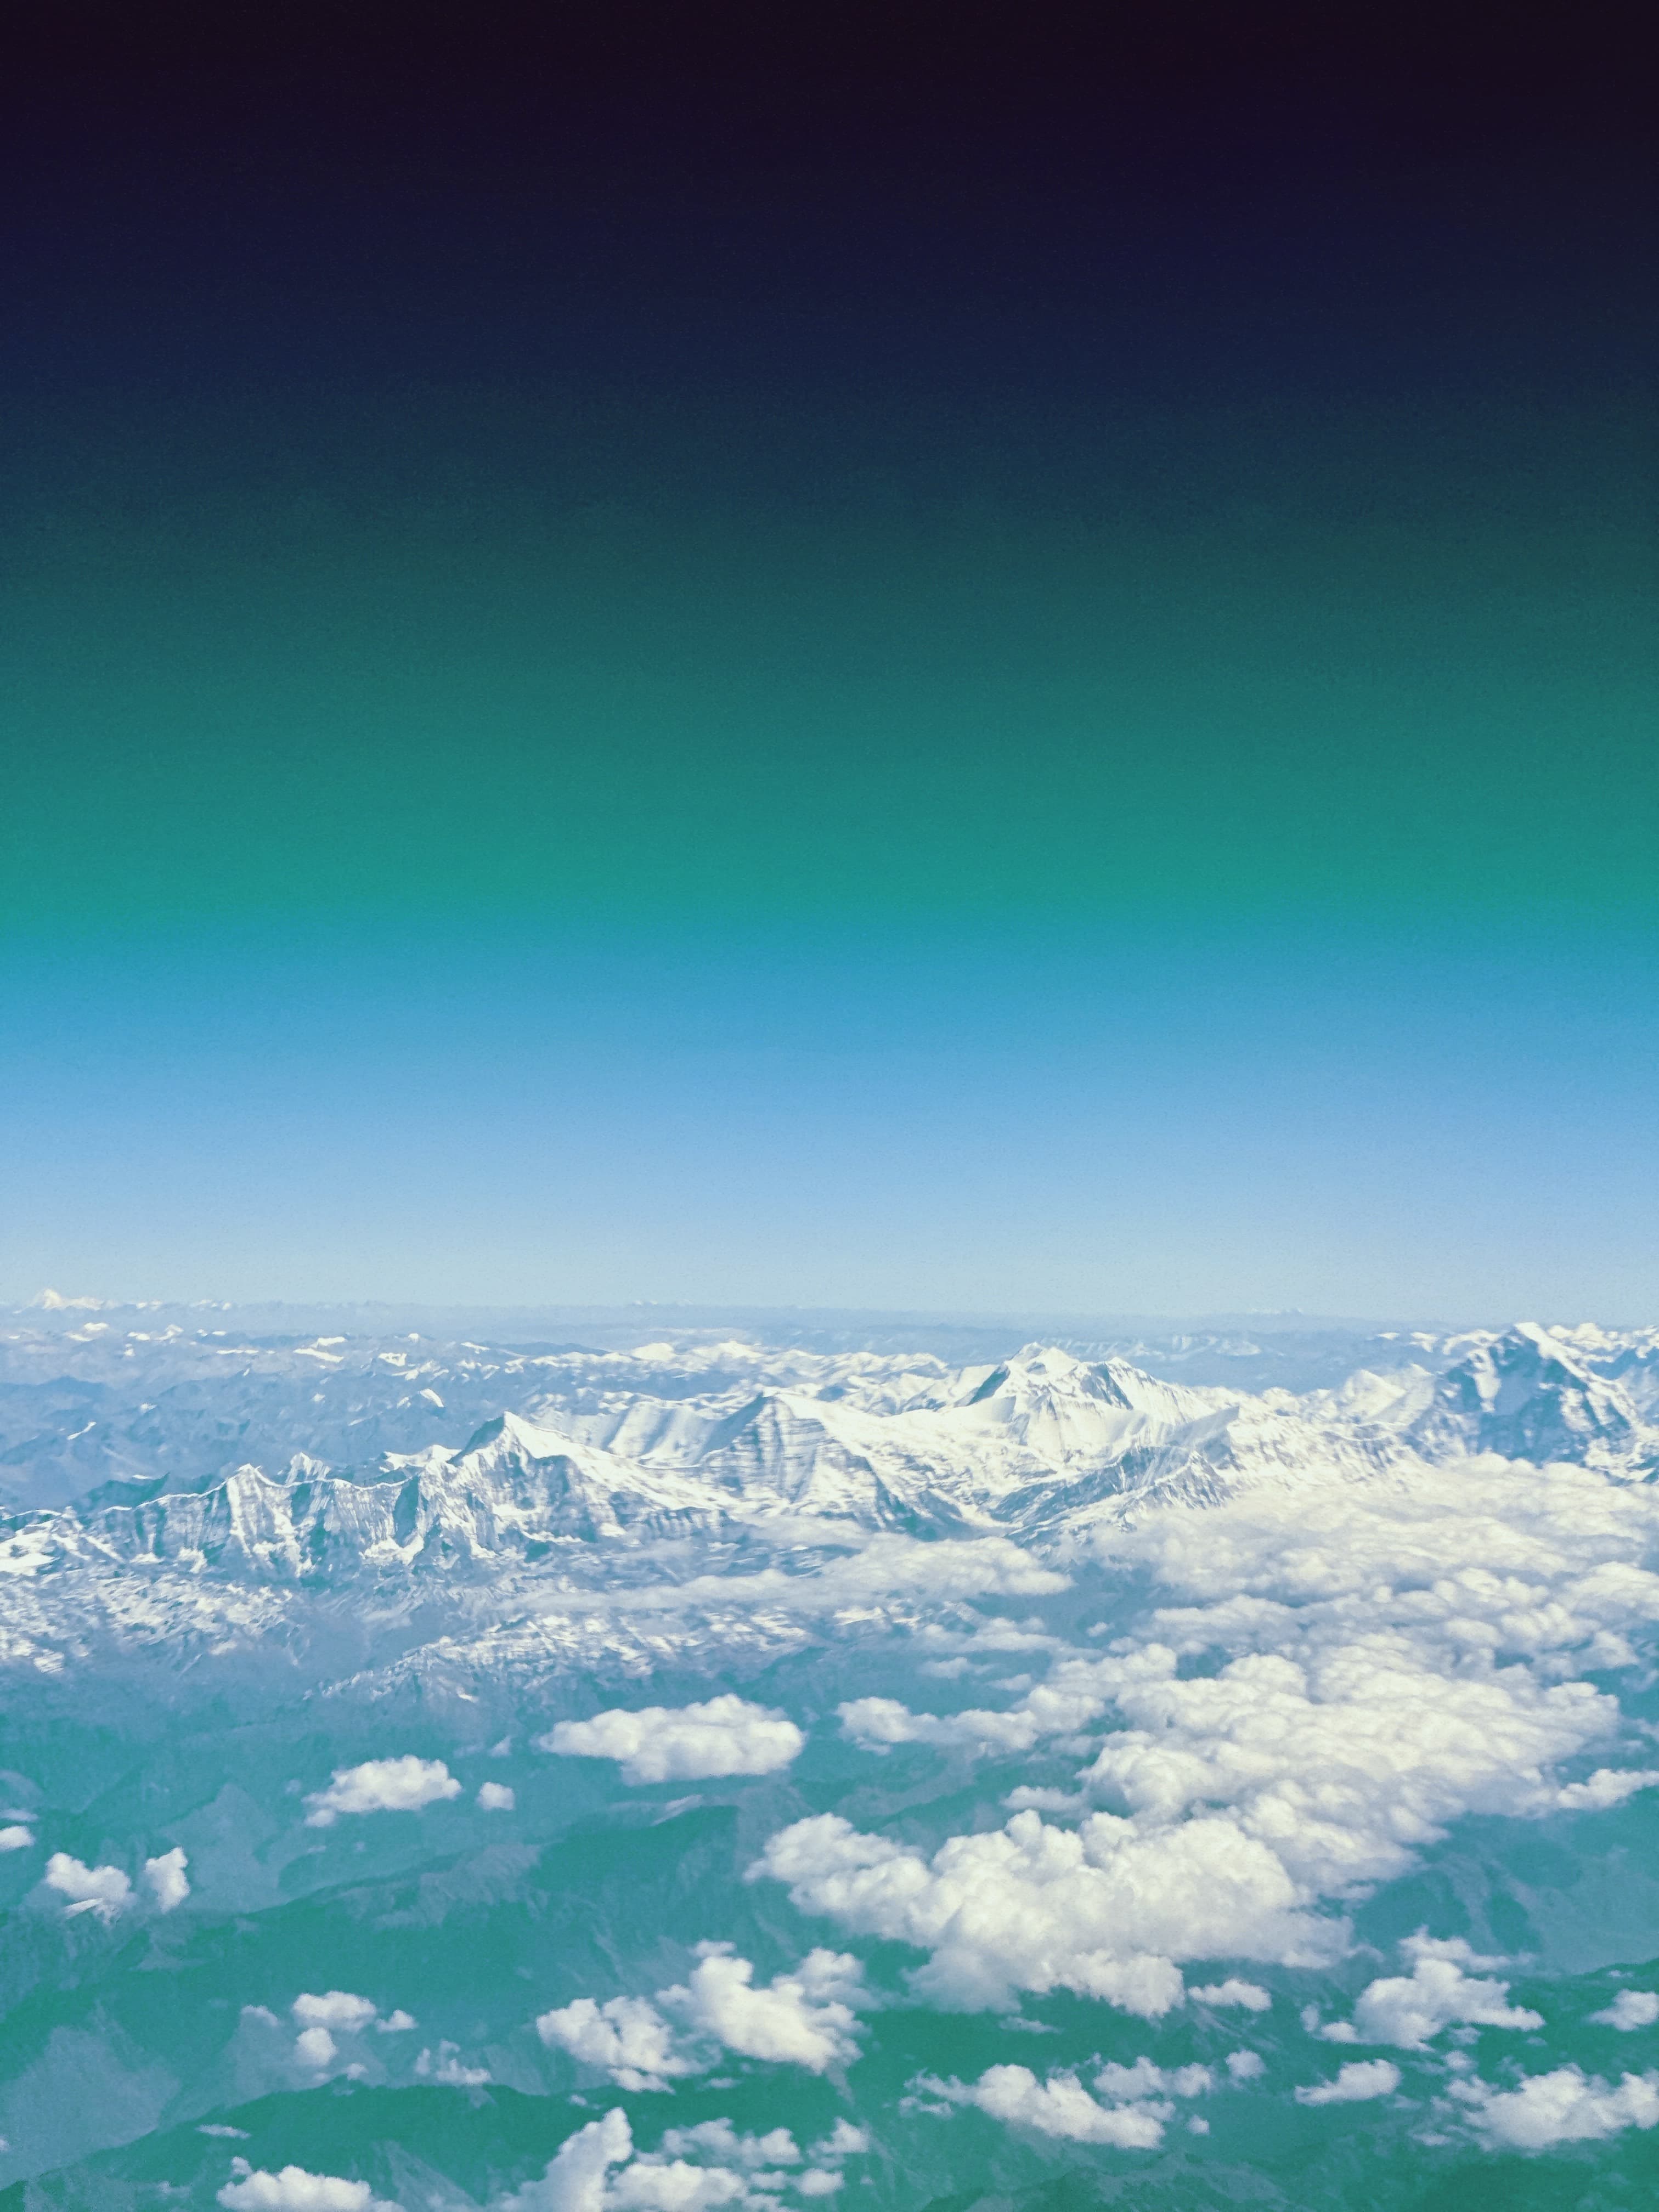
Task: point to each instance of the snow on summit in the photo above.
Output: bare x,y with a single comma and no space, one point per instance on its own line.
705,1439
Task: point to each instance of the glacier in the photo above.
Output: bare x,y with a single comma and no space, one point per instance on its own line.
696,1763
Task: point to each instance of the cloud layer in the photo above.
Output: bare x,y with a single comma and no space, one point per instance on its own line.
1349,1670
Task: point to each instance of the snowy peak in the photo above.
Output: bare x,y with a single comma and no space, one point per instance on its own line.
608,1450
1529,1394
510,1441
514,1492
515,1486
1064,1411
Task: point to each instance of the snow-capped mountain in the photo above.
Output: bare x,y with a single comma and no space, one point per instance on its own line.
692,1441
513,1492
1530,1395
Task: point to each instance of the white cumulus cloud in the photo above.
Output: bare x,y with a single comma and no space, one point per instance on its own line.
1074,1693
726,1735
804,2019
691,2170
1608,1785
1249,1995
167,1879
495,1797
103,1890
294,2190
1408,2009
1060,2106
1355,2083
1378,1662
1105,1909
1126,2084
334,2009
316,2048
579,2173
446,2065
1630,2008
626,2038
807,2018
1565,2106
381,1785
16,1837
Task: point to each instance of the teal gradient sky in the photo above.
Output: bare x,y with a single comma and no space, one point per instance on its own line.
936,773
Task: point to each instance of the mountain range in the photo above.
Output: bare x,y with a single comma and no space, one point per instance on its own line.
582,1455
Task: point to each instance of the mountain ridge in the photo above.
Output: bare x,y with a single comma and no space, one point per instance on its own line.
1041,1445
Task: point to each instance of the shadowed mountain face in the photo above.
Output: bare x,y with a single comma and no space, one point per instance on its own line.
723,1771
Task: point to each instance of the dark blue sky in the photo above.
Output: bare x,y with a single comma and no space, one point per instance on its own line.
915,655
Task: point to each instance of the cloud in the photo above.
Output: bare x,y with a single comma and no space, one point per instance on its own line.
577,2175
294,2190
878,1570
1406,2010
1060,2106
719,2139
321,2020
1630,2009
726,1735
495,1797
16,1838
395,2023
1607,1786
626,2038
106,1890
315,2047
1565,2106
1400,1660
167,1879
1344,1761
1249,1994
103,1890
334,2008
1377,1662
1105,1910
1144,2079
1074,1693
806,2018
691,2170
381,1785
445,2066
878,1723
886,1578
1355,2084
843,2140
1246,2065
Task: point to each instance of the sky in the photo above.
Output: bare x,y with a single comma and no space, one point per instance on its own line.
937,658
